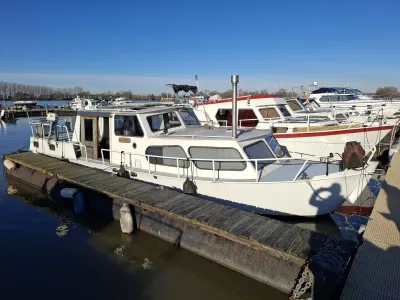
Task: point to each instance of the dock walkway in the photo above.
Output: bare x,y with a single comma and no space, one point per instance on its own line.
375,272
266,249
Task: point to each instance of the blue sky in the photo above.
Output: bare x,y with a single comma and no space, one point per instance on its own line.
141,45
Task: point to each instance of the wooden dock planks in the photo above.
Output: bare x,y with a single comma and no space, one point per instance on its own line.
233,222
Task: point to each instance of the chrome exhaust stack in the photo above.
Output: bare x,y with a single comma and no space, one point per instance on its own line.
235,81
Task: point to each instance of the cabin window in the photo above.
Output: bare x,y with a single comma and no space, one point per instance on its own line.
259,150
88,130
332,98
275,147
222,116
163,121
188,116
284,111
269,112
167,151
347,97
215,154
247,118
340,117
294,105
127,126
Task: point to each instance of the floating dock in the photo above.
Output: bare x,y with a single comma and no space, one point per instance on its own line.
375,272
37,112
265,249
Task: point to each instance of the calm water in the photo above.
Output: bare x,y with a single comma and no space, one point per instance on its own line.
47,254
51,103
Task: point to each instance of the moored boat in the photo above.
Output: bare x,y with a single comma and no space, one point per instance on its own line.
25,103
301,135
168,147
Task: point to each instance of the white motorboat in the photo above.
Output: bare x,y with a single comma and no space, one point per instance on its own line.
120,101
79,103
344,115
336,97
315,135
25,103
168,147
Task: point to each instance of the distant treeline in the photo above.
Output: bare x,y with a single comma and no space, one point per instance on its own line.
16,91
387,92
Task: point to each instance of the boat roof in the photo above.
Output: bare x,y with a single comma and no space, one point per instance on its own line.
215,133
106,112
260,100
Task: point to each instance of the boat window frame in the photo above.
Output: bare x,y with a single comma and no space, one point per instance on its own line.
281,153
182,163
296,104
141,131
164,128
263,163
269,107
215,166
190,112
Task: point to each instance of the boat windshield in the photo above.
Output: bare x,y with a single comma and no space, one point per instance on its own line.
314,104
284,111
312,101
188,116
259,150
274,145
353,91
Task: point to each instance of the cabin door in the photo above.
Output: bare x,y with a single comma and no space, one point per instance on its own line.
89,136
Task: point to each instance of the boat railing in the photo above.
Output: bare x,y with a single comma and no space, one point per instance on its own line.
224,123
379,113
368,147
84,147
254,162
193,136
62,131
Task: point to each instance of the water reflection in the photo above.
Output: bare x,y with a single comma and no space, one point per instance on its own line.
67,251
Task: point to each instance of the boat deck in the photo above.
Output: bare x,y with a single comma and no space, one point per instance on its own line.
375,273
266,249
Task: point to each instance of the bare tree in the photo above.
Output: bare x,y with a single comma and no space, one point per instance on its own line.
387,91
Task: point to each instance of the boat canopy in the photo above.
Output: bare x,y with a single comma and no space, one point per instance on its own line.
183,88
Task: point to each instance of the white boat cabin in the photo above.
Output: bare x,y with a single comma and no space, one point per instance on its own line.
261,112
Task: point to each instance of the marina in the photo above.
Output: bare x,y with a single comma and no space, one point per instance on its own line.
136,164
156,169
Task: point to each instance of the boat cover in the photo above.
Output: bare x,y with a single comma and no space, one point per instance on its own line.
184,88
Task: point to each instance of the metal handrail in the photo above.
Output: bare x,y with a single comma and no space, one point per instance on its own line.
66,131
213,161
81,145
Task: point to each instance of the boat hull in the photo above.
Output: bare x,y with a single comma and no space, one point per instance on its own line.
309,198
322,143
